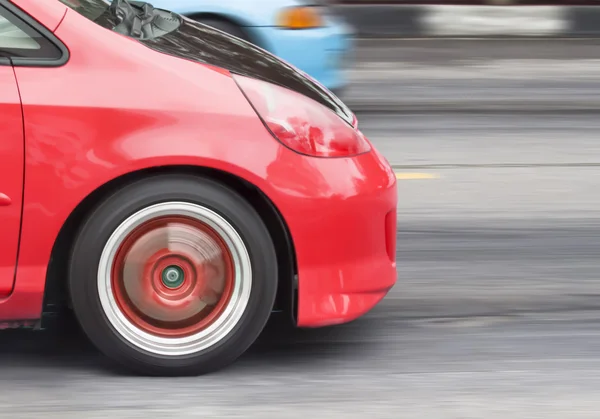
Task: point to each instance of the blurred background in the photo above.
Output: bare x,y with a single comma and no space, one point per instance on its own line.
488,111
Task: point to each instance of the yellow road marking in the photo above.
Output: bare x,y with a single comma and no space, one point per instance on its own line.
412,176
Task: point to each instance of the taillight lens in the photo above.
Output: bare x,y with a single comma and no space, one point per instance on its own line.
301,123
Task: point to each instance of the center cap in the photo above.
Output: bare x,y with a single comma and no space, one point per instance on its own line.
172,276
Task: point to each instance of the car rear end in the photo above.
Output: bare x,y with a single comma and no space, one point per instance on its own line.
338,197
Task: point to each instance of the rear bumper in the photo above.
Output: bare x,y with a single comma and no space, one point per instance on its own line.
324,53
329,297
344,232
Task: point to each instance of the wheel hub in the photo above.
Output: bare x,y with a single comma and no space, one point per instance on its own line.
136,279
173,277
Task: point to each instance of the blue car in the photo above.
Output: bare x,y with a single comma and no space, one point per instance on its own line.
308,36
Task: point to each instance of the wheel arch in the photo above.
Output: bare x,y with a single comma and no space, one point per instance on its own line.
56,292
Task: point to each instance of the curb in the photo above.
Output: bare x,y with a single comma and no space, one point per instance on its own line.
427,21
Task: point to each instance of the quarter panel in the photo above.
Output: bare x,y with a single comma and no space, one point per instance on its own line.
114,108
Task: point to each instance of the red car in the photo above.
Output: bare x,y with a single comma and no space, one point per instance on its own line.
174,186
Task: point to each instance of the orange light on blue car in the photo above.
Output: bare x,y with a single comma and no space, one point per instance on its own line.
299,18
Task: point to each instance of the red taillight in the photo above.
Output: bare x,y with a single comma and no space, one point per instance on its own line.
301,123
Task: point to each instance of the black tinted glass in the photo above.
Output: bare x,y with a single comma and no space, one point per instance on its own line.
19,40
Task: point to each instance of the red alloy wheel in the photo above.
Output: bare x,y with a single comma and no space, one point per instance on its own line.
173,276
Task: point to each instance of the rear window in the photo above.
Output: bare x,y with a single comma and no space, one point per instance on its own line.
14,38
19,40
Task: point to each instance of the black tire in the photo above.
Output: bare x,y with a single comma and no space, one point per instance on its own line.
225,26
96,231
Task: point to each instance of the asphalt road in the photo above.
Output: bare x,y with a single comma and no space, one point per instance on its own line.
495,313
443,51
450,75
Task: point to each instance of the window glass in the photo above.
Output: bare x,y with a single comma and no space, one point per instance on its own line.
11,37
19,40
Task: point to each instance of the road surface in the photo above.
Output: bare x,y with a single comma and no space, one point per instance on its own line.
495,313
450,75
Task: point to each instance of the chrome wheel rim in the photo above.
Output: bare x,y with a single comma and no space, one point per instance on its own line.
200,338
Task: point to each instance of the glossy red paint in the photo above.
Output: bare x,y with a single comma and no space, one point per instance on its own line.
11,177
118,107
391,221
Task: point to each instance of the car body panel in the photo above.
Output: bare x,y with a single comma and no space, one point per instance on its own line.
85,129
11,180
324,52
203,44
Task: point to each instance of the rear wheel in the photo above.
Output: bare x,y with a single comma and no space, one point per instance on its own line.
173,275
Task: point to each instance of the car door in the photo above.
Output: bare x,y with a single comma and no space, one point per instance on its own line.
11,173
15,42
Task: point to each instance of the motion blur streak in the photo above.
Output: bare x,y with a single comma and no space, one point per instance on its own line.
495,312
